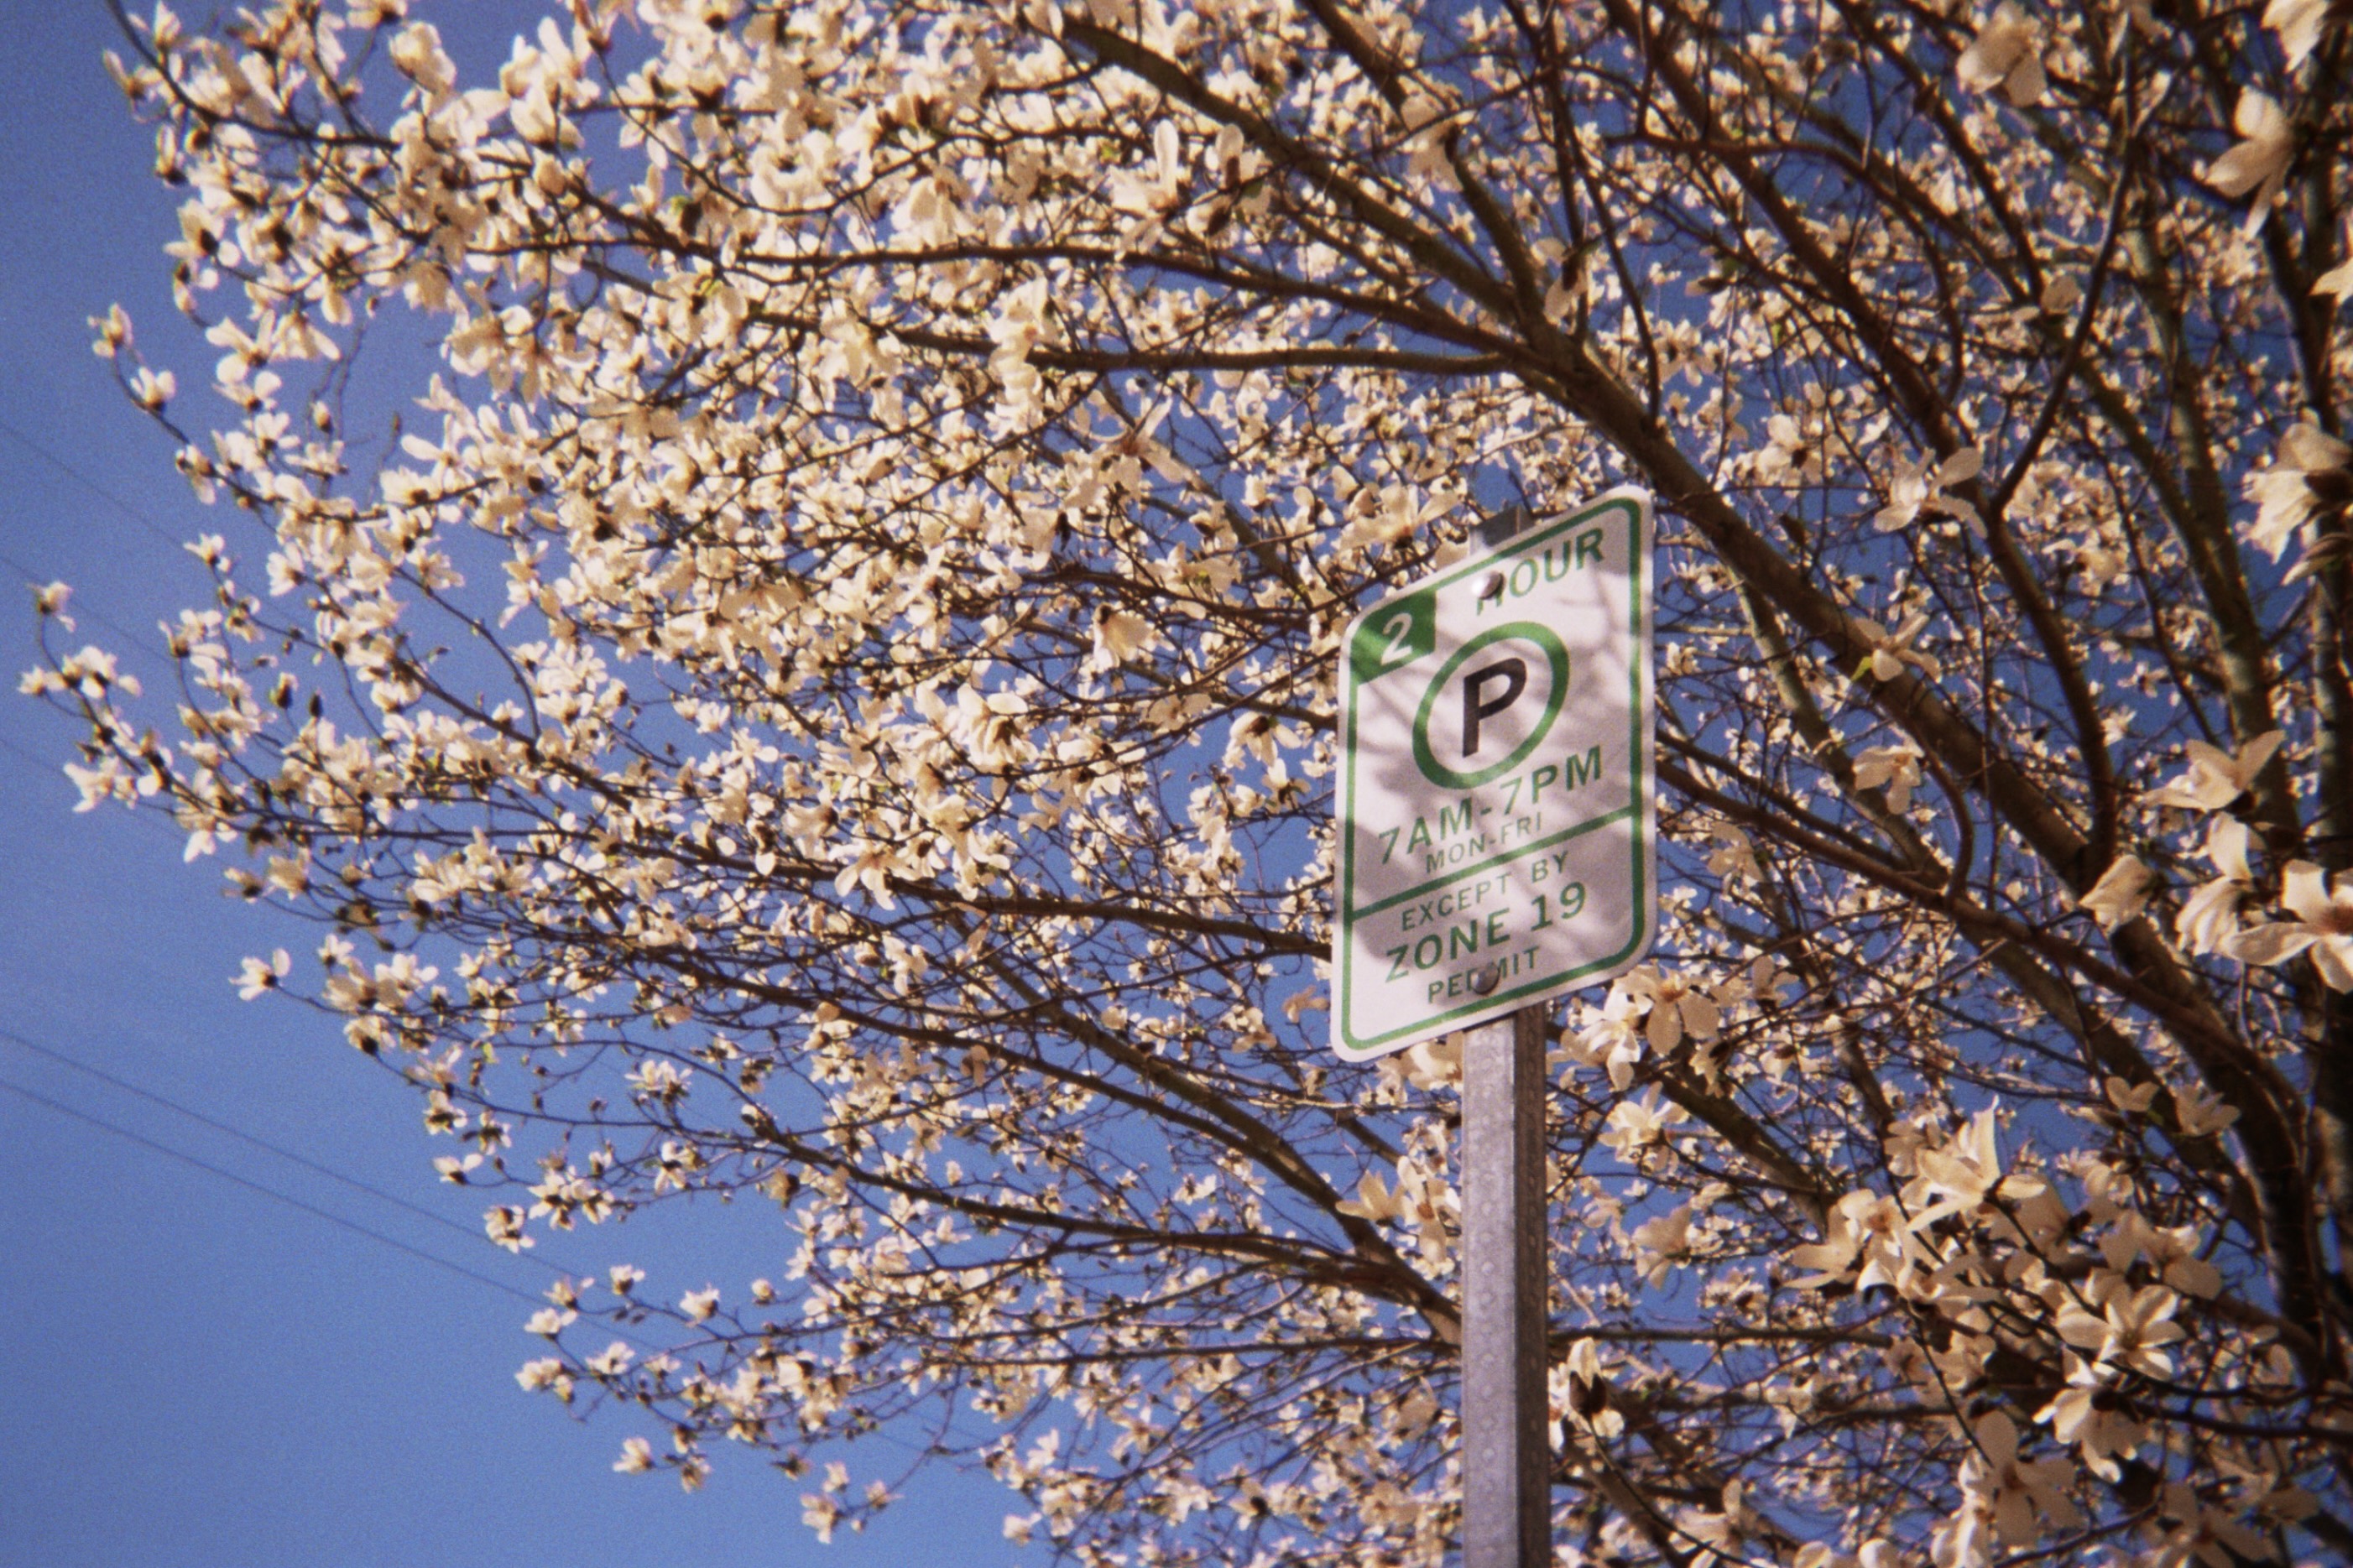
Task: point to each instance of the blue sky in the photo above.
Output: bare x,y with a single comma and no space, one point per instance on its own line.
199,1373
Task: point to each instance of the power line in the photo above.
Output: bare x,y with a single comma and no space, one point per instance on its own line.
334,1219
43,765
261,1143
31,578
251,1185
134,513
34,579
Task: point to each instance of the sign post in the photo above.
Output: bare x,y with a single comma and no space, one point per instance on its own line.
1506,1454
1496,848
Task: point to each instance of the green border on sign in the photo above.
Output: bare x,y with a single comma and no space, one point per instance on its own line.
1640,778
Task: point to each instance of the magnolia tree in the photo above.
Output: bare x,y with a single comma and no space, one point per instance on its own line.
831,701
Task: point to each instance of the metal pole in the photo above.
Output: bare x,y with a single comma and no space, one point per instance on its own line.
1506,1454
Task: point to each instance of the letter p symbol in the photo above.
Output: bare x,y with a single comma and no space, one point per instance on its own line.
1512,673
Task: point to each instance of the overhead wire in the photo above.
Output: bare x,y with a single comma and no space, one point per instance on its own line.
443,1220
33,579
226,1176
145,643
263,1189
40,765
134,513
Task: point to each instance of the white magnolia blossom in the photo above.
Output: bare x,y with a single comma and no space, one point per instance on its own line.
2300,25
1792,453
2289,491
2129,1330
1869,1243
2121,892
1678,1007
1895,769
1891,652
1726,1534
1661,1244
2217,777
1638,1127
2337,283
1435,1064
2005,54
1736,861
259,975
2259,161
2089,1413
2323,925
2008,1493
2200,1113
1919,486
2209,918
1614,1040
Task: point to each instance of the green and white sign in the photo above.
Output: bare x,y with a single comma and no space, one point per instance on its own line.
1496,835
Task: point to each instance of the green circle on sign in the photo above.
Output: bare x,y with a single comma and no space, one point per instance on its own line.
1556,658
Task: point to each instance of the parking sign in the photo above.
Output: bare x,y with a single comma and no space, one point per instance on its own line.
1497,844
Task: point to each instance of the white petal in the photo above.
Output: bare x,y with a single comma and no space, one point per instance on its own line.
2330,955
2268,944
2310,449
2247,165
2257,752
2258,118
2026,84
2120,893
2305,890
2298,23
2226,846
